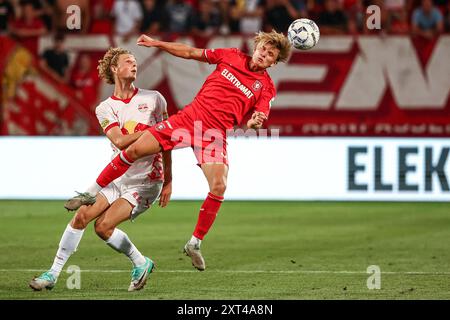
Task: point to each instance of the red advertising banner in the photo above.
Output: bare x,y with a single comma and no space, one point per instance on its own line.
367,86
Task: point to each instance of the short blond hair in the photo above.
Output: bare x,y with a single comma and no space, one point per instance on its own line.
110,59
278,40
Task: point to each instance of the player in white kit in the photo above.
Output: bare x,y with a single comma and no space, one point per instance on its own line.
123,116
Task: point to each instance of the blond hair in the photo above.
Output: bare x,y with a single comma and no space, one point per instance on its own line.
109,59
278,40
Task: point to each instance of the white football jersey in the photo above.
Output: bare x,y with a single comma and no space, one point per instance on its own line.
144,109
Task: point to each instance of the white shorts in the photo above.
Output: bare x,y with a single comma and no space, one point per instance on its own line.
140,196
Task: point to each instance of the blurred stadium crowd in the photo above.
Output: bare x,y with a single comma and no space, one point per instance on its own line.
26,20
31,18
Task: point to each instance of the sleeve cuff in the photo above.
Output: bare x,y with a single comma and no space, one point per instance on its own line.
206,56
112,125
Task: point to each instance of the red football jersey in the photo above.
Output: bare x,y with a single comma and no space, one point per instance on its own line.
231,90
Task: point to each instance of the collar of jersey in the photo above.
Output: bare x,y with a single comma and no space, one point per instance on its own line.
126,100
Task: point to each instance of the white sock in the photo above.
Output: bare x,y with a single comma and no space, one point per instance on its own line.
68,245
120,242
94,189
195,241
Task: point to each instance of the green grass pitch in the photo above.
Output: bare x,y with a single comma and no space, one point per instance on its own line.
255,250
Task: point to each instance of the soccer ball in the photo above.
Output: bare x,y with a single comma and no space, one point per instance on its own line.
303,34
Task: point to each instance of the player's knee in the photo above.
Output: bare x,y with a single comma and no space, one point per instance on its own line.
80,220
103,230
144,146
132,152
218,187
136,151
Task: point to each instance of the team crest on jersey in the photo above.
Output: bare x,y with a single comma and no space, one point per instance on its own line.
104,123
137,197
143,107
257,85
160,126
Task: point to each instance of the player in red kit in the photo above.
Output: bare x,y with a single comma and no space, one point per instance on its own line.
239,84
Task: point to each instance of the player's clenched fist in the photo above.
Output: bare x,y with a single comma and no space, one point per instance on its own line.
146,41
256,120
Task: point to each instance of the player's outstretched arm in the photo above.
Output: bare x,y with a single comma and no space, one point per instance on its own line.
120,140
174,48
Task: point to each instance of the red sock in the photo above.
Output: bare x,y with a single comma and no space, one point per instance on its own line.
117,167
207,215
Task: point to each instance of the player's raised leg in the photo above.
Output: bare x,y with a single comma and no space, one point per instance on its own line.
216,174
69,243
105,227
145,145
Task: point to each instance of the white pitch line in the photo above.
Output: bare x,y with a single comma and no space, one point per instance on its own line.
250,271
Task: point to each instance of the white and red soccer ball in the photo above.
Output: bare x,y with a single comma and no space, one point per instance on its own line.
303,34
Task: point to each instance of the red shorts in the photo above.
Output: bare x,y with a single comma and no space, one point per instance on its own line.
180,131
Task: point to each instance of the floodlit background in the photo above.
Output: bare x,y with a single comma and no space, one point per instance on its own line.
356,173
